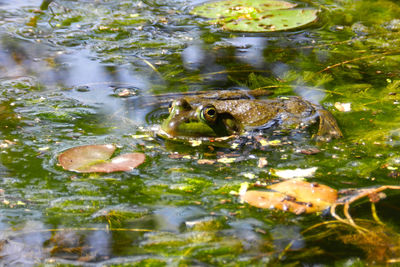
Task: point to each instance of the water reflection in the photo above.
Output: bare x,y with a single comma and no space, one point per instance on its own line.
100,243
55,70
25,249
100,79
313,94
193,56
16,4
173,218
250,50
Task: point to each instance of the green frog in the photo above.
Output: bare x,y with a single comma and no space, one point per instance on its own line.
212,117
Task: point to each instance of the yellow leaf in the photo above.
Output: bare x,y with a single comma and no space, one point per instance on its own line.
195,142
296,173
226,160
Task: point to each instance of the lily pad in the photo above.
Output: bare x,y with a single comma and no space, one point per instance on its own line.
96,158
256,15
294,196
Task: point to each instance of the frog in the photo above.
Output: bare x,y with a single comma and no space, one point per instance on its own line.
191,117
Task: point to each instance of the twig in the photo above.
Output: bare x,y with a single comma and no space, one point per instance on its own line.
356,59
346,206
224,72
375,214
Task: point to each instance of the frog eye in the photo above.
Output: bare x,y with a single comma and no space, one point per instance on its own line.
209,113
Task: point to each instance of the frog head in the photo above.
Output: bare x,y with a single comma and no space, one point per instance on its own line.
201,120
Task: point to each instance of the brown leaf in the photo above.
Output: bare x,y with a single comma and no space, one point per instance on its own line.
294,196
310,151
318,195
274,200
206,161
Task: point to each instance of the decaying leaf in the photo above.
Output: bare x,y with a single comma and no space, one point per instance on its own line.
273,200
320,196
294,196
96,158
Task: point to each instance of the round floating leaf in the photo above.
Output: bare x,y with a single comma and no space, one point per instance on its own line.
231,8
74,159
278,20
96,158
294,196
256,15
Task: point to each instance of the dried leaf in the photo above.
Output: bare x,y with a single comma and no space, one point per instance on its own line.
320,196
206,161
294,196
273,200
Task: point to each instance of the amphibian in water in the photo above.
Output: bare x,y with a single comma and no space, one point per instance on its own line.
215,118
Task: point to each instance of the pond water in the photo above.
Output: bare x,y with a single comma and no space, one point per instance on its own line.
62,70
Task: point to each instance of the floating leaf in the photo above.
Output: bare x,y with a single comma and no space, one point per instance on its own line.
343,107
294,196
296,173
265,142
249,175
310,151
226,160
262,162
273,200
256,15
230,8
206,161
319,195
96,158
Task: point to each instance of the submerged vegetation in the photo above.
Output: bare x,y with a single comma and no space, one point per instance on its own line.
79,73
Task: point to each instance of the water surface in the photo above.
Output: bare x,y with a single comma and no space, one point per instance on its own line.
61,71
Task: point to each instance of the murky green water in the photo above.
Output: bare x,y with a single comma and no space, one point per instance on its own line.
61,71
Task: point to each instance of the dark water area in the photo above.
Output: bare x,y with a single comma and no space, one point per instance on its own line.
92,72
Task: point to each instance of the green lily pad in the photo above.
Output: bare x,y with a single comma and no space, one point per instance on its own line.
96,158
256,15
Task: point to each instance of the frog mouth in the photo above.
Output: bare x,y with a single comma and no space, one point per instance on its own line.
196,141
